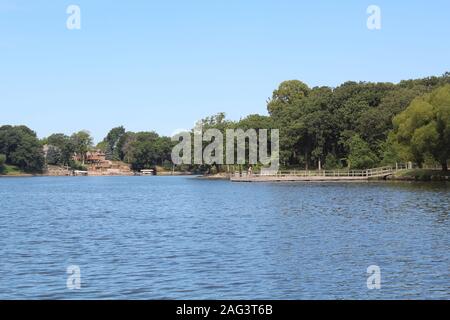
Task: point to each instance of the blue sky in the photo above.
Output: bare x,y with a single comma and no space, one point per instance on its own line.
162,65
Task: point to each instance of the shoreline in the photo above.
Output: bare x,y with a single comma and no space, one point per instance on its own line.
412,175
31,175
415,175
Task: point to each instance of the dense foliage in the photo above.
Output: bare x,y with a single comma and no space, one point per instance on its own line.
2,163
21,148
423,130
347,125
142,150
62,148
356,125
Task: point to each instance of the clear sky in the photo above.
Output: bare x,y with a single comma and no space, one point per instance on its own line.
162,65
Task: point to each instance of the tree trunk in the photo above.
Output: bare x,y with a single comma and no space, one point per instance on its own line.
444,166
306,161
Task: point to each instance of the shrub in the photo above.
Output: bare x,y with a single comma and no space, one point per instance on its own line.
2,163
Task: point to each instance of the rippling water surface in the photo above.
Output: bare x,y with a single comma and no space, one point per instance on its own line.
185,238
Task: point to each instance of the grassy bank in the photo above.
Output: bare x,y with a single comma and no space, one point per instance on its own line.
13,171
421,175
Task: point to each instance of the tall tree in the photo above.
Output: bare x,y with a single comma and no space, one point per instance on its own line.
112,141
2,163
22,148
424,127
360,156
143,151
288,109
82,142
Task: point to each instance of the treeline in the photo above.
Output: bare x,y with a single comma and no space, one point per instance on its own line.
141,150
20,147
356,125
361,125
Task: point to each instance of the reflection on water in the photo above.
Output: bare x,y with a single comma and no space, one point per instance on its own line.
177,237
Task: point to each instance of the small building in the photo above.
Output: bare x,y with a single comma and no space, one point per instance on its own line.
148,172
80,173
96,157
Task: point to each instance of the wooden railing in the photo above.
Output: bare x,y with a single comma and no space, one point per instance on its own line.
374,172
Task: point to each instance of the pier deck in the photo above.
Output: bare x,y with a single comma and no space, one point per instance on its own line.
318,175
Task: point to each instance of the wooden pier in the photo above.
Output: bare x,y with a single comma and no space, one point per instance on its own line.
318,175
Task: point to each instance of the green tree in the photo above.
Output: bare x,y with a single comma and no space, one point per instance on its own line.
424,127
28,156
125,146
163,147
82,142
143,153
288,93
22,148
360,155
320,124
112,143
2,163
331,162
57,140
53,155
288,109
394,152
61,149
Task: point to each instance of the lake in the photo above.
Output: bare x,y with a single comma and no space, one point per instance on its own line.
188,238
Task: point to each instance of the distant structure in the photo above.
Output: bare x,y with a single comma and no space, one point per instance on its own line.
80,173
95,157
148,172
97,164
319,175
